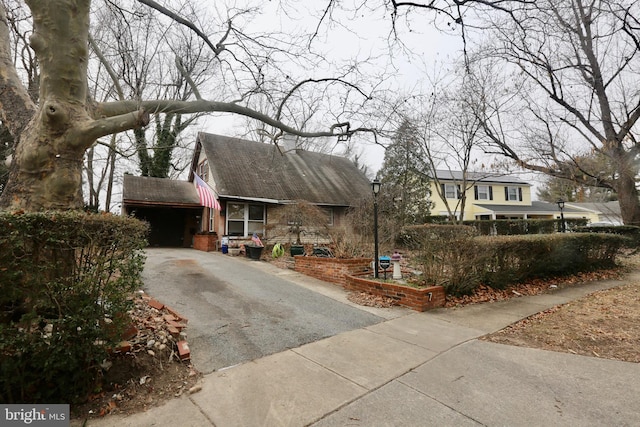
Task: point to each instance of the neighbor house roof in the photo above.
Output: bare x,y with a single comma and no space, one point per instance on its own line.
258,171
611,208
487,177
158,191
534,209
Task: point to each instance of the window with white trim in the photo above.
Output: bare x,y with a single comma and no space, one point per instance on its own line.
451,191
513,194
211,216
483,192
244,219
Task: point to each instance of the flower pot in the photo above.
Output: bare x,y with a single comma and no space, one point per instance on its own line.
254,252
297,250
234,251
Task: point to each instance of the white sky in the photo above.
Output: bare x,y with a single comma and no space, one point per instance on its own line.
366,34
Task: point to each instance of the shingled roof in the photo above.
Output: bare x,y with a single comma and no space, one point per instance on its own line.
254,170
488,177
158,191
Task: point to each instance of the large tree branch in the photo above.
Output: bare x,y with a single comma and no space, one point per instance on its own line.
110,109
85,135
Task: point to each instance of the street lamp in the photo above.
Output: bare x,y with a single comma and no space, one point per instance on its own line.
560,203
375,187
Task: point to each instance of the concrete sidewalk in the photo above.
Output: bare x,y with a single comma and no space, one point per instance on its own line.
420,369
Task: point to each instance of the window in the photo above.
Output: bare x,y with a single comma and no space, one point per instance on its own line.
451,191
203,170
329,212
211,216
244,219
513,194
483,192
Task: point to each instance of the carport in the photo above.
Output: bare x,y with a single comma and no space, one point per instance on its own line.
172,209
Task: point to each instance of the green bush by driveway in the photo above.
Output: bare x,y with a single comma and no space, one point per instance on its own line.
65,283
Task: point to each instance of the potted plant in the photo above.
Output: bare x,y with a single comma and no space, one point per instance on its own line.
304,217
254,249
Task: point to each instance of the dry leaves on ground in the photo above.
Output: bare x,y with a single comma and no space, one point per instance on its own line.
534,287
602,324
368,300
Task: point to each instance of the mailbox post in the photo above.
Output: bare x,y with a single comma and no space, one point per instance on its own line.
375,188
385,262
395,259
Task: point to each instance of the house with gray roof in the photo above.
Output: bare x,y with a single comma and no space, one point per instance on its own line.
251,181
490,196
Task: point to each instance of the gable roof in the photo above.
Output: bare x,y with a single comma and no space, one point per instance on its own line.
486,177
256,171
536,207
158,191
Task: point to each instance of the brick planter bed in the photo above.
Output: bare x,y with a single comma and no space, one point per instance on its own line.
420,299
205,242
331,270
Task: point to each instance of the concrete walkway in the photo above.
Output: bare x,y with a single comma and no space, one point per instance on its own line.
419,369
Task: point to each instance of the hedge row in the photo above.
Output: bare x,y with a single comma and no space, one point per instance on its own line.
65,285
456,258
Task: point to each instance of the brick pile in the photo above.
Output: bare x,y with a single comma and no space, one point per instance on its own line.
155,328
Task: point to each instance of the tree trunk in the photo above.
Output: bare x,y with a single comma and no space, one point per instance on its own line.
46,172
628,199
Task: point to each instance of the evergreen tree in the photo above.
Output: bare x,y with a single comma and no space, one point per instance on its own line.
404,177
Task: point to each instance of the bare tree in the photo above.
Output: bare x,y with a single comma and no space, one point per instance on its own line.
569,93
450,141
53,135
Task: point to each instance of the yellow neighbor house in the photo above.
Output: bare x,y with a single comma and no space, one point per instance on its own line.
491,196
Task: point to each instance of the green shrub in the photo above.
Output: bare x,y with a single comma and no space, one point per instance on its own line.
510,227
448,256
632,233
65,285
453,257
512,259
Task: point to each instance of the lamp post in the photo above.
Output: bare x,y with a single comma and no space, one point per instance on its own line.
375,187
560,203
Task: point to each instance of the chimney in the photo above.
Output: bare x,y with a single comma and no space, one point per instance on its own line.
289,143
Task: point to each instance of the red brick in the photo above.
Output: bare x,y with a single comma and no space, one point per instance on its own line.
156,304
169,317
183,350
123,347
175,332
129,333
179,316
179,326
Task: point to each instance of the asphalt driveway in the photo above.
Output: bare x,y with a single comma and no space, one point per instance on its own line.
238,311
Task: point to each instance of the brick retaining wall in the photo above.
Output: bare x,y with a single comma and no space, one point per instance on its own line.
331,269
416,299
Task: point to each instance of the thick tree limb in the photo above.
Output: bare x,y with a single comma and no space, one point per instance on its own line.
94,129
109,109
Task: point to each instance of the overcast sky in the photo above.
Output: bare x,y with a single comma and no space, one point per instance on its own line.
423,52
